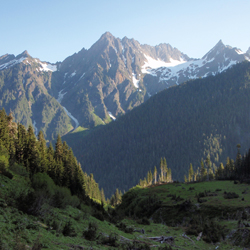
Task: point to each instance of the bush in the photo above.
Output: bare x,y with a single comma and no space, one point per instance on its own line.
20,170
62,198
98,215
135,245
230,195
212,231
111,240
68,230
91,232
4,164
143,221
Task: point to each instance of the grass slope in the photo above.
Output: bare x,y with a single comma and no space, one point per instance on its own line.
207,207
57,228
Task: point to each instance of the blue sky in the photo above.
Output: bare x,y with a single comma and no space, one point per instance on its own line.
52,30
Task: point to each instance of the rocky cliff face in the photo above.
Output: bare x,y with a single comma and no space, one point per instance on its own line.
25,83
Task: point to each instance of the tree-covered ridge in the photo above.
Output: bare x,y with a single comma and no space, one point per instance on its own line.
184,124
20,146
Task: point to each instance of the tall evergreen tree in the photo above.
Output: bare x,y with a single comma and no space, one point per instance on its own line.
191,173
42,149
59,149
31,152
155,175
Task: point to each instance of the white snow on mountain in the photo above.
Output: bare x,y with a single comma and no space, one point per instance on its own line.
11,63
239,51
60,96
73,74
190,69
72,117
111,116
221,69
135,81
59,99
48,67
151,63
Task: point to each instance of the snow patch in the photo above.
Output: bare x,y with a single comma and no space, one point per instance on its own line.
231,63
81,76
154,64
59,99
239,51
48,67
12,63
73,74
72,117
111,116
60,96
135,81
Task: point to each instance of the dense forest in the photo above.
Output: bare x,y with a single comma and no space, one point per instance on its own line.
21,150
187,123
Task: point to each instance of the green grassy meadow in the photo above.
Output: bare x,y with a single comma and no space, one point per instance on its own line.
56,228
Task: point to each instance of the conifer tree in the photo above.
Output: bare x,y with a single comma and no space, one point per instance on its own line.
190,173
149,178
208,164
51,162
21,142
238,162
59,149
4,132
220,172
185,179
31,152
165,169
162,170
102,196
42,149
203,171
169,175
155,175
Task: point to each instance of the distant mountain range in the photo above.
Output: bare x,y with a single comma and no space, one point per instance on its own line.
95,86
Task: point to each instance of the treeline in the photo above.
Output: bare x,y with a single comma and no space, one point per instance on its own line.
232,170
20,146
164,176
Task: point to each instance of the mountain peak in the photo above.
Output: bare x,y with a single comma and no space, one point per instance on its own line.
107,35
24,54
215,50
219,45
248,51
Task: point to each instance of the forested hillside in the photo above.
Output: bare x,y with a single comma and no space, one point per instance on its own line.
21,151
184,124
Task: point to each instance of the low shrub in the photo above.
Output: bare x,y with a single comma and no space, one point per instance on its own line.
98,215
68,230
91,232
135,245
211,230
111,240
143,221
230,195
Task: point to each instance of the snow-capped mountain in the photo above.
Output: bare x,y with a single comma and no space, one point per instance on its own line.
217,60
25,86
115,75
